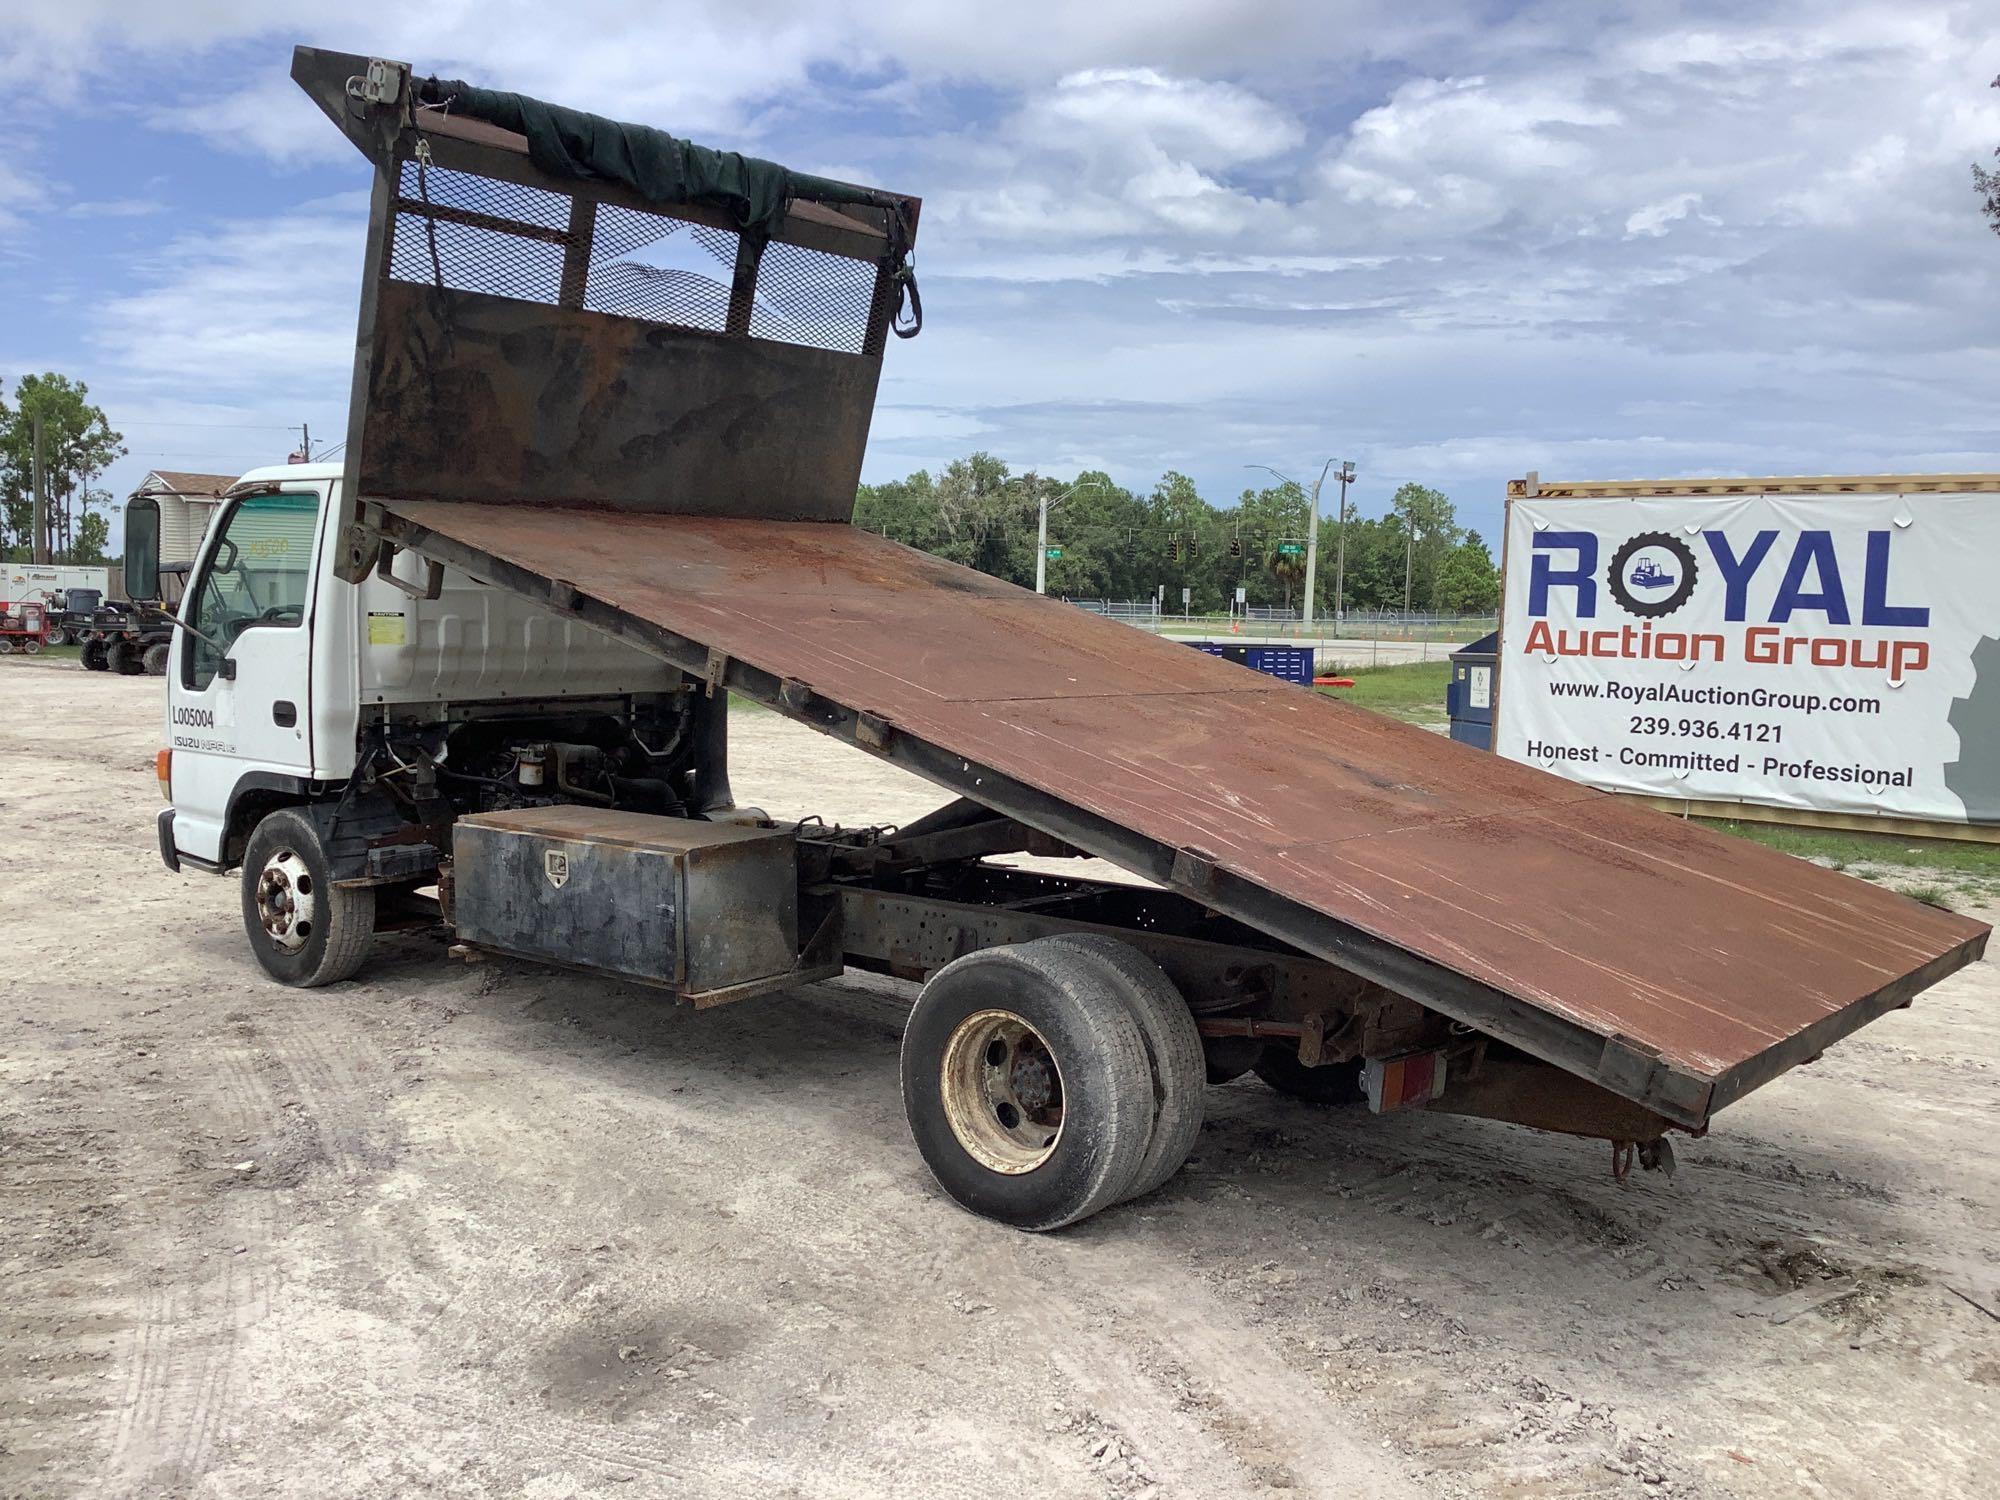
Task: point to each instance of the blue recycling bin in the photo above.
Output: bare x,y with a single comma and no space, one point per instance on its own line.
1287,663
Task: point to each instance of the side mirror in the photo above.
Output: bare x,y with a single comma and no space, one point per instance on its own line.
142,550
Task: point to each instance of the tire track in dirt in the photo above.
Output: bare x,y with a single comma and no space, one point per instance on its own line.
294,1104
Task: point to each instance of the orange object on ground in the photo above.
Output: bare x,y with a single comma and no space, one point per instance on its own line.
1333,682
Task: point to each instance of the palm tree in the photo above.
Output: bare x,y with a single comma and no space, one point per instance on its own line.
1287,567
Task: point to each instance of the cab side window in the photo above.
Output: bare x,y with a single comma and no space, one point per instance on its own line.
256,577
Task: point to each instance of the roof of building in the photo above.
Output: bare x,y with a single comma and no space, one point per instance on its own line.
193,486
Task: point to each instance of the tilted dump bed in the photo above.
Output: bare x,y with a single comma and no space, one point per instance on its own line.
684,487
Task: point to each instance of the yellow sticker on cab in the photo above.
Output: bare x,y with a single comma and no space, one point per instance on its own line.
387,627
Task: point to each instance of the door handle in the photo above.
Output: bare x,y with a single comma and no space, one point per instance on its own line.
284,713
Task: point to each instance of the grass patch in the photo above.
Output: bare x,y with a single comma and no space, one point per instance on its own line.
1930,895
1844,851
1412,692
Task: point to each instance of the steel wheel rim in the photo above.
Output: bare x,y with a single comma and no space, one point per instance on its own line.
287,901
1003,1093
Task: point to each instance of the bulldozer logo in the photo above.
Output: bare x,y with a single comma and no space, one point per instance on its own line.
1652,575
555,864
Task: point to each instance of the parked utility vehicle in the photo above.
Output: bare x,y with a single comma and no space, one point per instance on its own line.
585,499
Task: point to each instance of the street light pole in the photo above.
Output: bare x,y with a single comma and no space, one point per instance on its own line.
1312,528
1042,530
1409,551
1346,477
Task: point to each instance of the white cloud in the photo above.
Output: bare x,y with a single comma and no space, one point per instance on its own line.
1461,153
115,208
244,310
1207,125
1653,220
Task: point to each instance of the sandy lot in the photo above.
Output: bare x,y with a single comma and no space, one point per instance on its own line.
496,1231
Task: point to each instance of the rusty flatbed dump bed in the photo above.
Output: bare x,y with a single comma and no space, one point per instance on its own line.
672,460
1676,966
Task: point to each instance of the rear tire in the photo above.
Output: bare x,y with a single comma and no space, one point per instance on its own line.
58,637
94,659
305,930
121,658
1027,1085
155,659
1331,1084
1173,1046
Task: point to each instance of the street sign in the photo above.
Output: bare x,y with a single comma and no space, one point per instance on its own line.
1241,591
1186,594
1290,549
1055,554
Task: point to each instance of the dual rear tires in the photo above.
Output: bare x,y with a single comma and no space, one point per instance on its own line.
1048,1080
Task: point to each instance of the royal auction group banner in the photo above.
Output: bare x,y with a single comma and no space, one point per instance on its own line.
1832,652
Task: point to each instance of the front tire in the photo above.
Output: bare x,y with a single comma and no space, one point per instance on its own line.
155,659
123,658
1027,1085
94,658
305,930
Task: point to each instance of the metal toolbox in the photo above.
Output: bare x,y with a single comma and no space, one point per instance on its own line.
707,910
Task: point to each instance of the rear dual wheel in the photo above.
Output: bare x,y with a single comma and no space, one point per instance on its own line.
1045,1081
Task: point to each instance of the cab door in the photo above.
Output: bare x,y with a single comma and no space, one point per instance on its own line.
237,709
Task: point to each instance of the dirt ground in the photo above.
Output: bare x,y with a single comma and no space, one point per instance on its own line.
499,1231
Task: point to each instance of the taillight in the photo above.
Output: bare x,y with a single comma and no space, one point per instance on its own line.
163,767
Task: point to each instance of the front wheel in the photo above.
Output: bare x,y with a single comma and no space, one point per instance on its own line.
155,659
1027,1085
122,657
94,658
305,930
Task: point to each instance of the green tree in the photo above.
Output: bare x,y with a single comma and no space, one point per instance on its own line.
1176,509
1429,530
1986,183
78,444
904,510
1468,583
985,518
1288,568
93,537
1096,527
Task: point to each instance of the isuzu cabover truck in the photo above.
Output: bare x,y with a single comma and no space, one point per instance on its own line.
611,393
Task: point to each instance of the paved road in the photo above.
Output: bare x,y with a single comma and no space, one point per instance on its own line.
1343,652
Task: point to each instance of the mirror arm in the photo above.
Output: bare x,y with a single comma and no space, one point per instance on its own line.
179,624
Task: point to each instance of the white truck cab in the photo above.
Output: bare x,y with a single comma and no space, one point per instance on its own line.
352,722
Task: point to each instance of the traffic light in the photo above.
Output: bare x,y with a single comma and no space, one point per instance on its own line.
1190,549
1173,546
1236,546
1131,545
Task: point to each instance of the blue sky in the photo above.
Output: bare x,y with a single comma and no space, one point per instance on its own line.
1451,242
